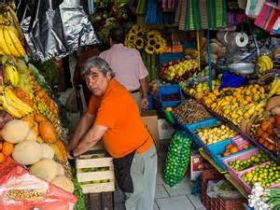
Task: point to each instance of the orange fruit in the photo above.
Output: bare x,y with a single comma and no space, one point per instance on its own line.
7,148
229,146
233,150
2,157
1,146
226,154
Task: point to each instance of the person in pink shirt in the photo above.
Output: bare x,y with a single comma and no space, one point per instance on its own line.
128,66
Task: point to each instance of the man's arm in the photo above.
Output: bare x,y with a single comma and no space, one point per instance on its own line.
144,92
90,139
84,124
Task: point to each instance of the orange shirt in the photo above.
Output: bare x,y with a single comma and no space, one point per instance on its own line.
118,111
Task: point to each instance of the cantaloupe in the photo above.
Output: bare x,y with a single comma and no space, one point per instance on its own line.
64,183
45,169
27,152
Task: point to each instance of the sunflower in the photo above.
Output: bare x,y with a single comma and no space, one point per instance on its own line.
149,49
152,42
152,34
139,43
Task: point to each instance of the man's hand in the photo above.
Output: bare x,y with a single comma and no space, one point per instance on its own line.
145,104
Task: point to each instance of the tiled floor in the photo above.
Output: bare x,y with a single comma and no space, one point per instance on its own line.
178,197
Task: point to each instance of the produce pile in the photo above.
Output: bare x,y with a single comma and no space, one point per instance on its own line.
201,89
178,158
215,134
265,128
266,174
236,104
190,111
240,165
30,128
179,70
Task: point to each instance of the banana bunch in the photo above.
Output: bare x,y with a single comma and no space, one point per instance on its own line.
10,43
11,75
12,104
275,88
264,63
180,69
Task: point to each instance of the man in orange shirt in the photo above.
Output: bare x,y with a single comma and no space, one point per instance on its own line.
113,115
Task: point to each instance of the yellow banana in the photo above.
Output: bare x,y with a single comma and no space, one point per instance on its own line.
9,108
1,51
269,61
13,14
17,43
16,101
3,44
10,43
11,75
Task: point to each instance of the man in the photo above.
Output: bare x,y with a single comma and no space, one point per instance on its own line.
113,115
128,66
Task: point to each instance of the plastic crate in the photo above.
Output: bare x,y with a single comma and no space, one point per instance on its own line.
202,124
230,204
167,90
206,176
243,156
167,57
246,186
215,150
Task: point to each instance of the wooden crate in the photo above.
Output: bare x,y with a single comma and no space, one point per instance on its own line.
87,164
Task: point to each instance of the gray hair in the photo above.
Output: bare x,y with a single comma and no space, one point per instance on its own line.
99,63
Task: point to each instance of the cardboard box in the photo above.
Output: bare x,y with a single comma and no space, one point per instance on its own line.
198,165
165,129
150,119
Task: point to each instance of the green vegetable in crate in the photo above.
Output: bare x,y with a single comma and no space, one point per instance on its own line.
177,158
240,165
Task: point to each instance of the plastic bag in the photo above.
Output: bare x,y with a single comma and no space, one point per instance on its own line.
20,190
178,158
225,190
55,29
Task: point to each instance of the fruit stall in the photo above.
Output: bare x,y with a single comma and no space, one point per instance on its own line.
229,108
35,172
216,80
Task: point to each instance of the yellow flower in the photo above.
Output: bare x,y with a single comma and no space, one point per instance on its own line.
139,43
152,34
152,42
149,49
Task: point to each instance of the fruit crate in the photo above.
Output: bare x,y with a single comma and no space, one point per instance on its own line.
215,150
95,171
170,95
243,156
202,124
246,186
206,176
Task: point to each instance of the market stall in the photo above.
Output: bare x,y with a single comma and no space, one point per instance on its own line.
35,172
230,108
213,76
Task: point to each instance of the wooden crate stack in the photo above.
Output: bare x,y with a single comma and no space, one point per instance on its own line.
95,171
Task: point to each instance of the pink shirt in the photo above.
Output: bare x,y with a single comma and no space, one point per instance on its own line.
127,65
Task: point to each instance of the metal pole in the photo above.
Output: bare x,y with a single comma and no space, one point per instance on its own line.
209,60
